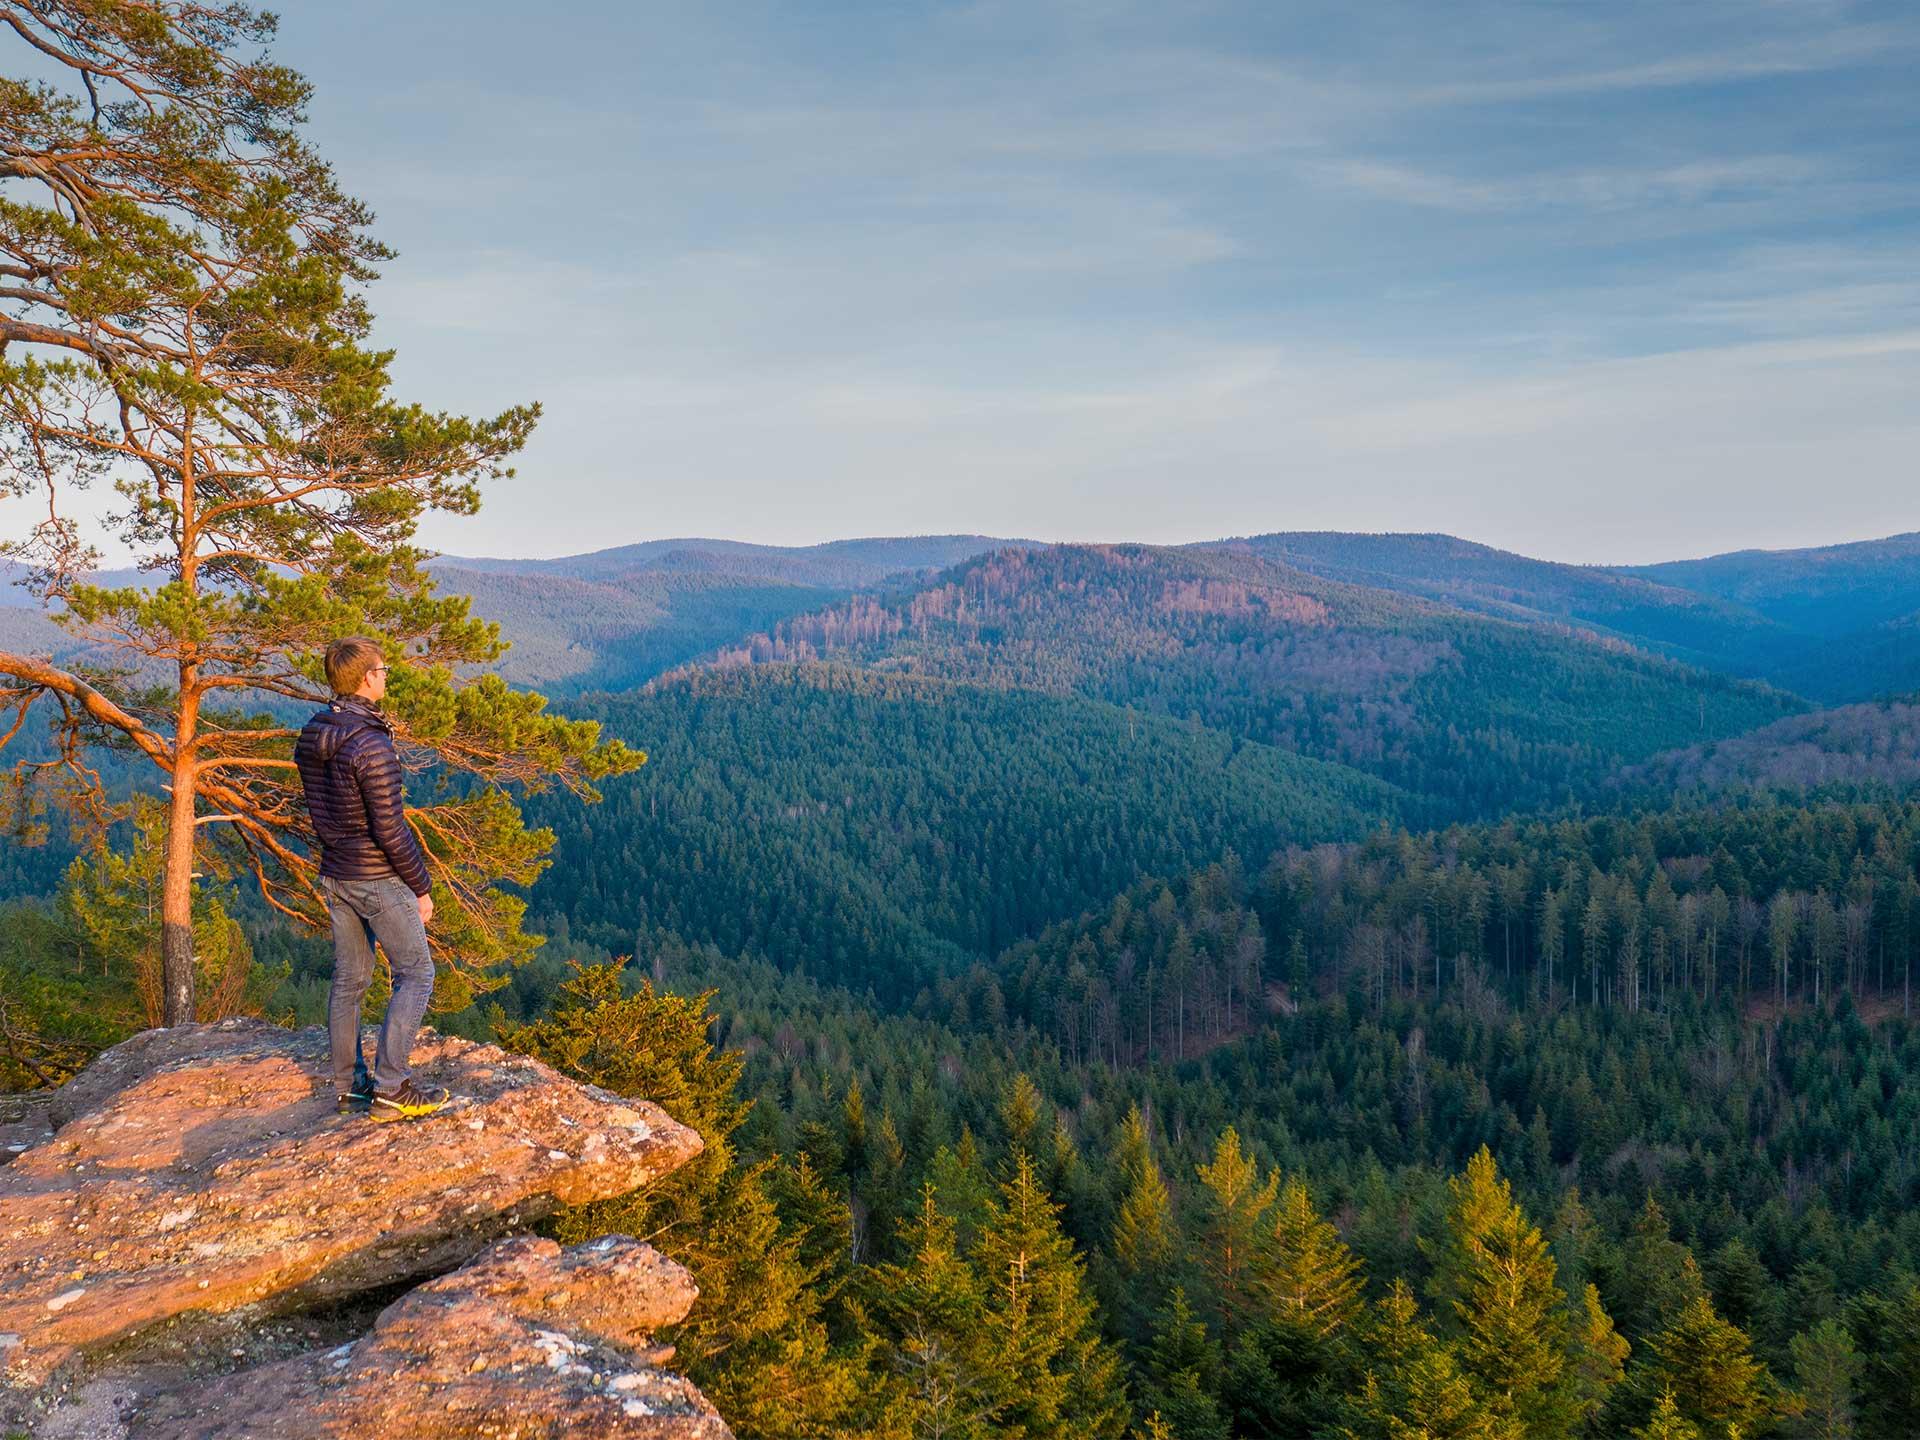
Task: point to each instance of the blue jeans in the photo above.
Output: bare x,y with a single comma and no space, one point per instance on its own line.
364,911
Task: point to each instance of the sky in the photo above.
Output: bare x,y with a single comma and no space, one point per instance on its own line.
1596,280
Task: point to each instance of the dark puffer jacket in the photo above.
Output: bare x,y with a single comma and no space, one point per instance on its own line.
355,794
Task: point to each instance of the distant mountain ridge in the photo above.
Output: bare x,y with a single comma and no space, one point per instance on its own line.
1838,624
834,564
1472,711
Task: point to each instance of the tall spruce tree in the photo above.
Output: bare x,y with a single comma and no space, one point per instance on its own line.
1415,1388
1709,1368
1308,1276
1826,1370
1143,1228
1598,1360
1182,1368
1887,1327
932,1310
1235,1230
1066,1380
1667,1422
184,323
1495,1277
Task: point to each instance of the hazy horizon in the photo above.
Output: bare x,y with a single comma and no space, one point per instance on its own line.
1624,563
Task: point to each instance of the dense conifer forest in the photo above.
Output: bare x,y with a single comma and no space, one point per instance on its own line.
1127,994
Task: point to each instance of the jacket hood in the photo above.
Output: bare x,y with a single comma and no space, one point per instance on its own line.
331,728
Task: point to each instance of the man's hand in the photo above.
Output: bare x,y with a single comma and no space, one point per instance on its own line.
426,909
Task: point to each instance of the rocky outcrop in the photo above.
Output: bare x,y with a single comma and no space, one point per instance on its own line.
528,1339
201,1172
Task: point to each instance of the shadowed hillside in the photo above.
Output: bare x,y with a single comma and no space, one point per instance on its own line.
1856,608
1699,629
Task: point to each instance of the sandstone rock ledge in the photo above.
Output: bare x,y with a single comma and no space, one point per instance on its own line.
200,1175
528,1340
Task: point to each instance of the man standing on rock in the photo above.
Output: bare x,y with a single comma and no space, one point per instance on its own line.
374,876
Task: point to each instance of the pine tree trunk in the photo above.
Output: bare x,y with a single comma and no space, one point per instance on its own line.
176,904
176,884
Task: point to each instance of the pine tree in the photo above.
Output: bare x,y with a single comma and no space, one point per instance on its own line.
113,901
1664,1276
1666,1422
1495,1277
1739,1281
756,1341
1414,1387
189,323
1020,1109
932,1309
960,1181
1182,1367
1598,1357
1143,1229
1887,1328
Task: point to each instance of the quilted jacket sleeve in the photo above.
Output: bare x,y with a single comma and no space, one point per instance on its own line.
383,791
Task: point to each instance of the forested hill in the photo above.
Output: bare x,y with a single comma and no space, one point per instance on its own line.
881,831
1858,605
1480,714
1697,628
1822,590
1838,624
615,618
1853,745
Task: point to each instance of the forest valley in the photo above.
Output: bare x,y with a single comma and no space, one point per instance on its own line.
1598,1125
1331,987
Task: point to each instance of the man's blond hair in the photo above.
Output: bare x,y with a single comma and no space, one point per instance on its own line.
349,660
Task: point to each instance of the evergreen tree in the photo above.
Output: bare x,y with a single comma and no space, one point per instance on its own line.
1666,1422
1143,1229
113,902
1887,1328
191,326
1827,1369
1182,1369
960,1182
1065,1380
1235,1230
1308,1277
1415,1388
1495,1275
1708,1366
1598,1357
1658,1276
1739,1282
932,1309
756,1341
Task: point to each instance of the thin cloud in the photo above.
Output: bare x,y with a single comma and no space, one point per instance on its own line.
1843,49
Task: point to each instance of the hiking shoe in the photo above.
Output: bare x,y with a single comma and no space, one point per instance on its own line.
409,1102
355,1102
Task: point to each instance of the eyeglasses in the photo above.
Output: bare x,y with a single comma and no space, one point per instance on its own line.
378,670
